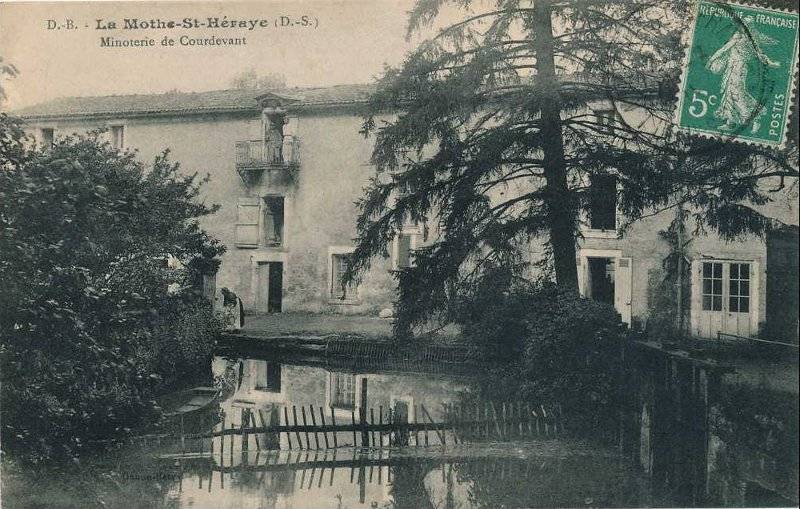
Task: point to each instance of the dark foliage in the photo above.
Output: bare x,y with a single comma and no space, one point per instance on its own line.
89,331
550,346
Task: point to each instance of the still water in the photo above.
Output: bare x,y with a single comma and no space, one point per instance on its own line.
286,470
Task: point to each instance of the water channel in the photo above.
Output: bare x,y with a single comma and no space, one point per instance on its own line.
263,470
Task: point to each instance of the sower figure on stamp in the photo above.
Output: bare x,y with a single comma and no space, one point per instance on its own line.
737,106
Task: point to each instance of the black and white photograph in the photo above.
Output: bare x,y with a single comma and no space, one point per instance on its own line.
399,254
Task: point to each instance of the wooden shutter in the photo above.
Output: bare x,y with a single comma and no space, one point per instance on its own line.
622,288
247,214
582,274
696,306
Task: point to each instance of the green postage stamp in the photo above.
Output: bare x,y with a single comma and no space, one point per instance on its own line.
738,76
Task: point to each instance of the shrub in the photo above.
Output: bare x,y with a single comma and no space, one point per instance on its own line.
89,333
182,346
549,344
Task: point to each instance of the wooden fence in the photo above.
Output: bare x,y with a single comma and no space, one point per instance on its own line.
305,428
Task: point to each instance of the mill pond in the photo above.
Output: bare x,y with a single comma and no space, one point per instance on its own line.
418,446
355,426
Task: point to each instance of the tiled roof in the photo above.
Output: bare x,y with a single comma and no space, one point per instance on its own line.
191,102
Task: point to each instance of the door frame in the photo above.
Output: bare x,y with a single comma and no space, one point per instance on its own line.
583,276
275,270
696,310
265,257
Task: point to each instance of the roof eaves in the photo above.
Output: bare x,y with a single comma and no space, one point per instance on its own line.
299,106
136,113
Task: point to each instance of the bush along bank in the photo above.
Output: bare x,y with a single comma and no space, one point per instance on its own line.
548,345
100,257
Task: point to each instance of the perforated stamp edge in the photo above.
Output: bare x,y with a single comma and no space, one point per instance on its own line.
687,40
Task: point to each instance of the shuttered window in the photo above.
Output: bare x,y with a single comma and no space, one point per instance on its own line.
247,214
403,251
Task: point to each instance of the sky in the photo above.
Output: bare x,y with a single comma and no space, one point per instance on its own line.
349,42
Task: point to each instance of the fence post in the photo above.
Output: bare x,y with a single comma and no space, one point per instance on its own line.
324,425
313,423
362,411
288,433
355,436
440,434
296,432
335,438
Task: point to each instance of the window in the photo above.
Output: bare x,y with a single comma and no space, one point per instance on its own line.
602,202
273,220
339,290
267,376
609,119
118,136
404,246
342,388
712,286
405,242
47,137
739,288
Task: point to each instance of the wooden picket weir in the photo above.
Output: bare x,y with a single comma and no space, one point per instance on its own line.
315,428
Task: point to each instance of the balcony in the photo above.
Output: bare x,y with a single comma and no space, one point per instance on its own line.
253,157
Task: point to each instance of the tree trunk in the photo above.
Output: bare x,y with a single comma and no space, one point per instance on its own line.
558,200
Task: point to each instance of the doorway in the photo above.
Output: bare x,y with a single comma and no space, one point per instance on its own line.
601,280
605,276
725,298
269,292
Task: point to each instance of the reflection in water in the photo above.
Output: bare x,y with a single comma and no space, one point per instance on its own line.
465,481
459,479
313,470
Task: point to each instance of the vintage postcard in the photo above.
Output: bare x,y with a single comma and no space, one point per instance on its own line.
427,254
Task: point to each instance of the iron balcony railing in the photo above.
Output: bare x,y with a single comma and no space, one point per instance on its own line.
260,154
